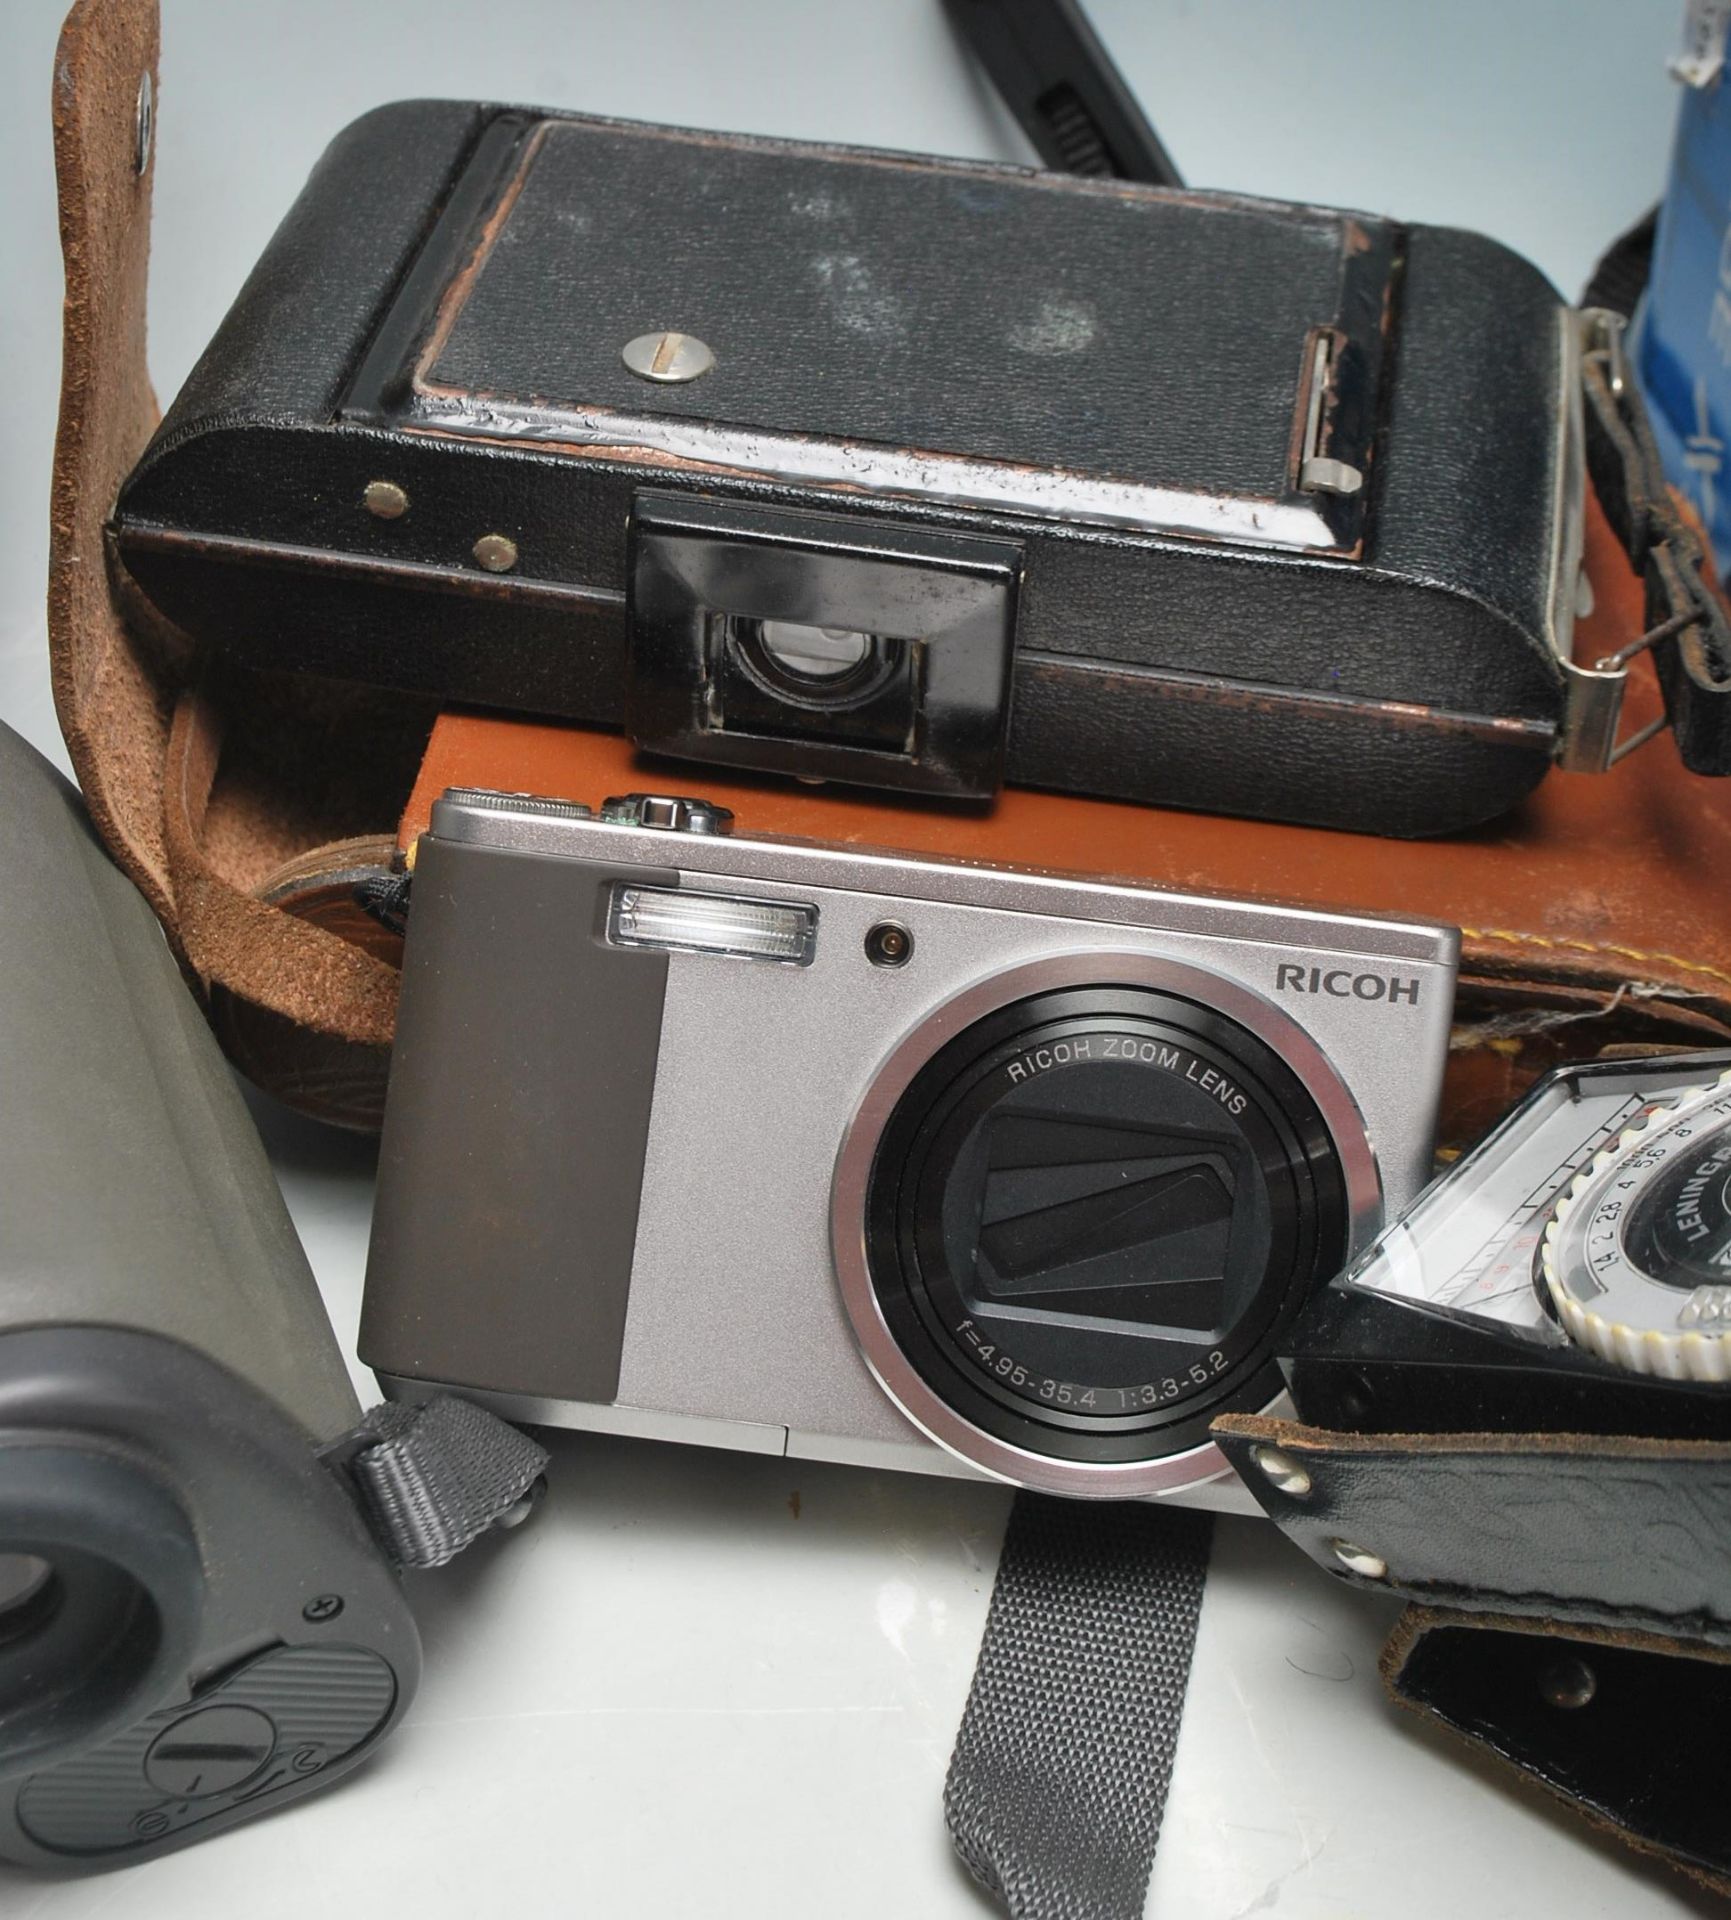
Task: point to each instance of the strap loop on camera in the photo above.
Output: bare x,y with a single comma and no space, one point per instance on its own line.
432,1478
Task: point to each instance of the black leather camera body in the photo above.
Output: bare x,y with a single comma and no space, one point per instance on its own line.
916,473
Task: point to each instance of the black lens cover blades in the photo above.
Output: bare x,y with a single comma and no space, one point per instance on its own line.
1091,1212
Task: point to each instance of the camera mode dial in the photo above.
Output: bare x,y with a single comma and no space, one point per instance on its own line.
1637,1253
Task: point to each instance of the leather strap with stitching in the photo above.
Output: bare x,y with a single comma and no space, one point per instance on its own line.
109,696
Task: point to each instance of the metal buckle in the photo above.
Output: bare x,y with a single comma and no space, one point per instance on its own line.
1593,706
1593,697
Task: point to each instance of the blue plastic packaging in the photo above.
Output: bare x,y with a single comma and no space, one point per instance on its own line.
1681,346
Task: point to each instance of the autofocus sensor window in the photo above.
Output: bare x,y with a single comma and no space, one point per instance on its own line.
1090,1214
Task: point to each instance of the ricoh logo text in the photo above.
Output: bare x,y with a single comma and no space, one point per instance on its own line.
1341,983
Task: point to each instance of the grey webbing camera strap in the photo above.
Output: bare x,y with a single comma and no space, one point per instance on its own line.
433,1477
1058,1782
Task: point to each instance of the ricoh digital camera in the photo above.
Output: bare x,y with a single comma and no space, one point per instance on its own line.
856,1155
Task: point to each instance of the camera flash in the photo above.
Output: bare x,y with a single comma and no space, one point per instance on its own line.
712,923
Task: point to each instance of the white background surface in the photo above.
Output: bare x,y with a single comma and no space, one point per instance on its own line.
711,1684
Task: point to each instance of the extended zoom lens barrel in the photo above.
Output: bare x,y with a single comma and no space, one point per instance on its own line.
1091,1213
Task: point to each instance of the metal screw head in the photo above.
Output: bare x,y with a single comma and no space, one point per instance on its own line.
495,552
1360,1560
325,1607
1568,1684
1282,1471
384,499
667,358
145,125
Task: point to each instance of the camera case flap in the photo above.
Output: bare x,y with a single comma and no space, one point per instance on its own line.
1552,1486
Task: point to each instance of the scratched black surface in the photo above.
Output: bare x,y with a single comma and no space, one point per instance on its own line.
915,304
1148,667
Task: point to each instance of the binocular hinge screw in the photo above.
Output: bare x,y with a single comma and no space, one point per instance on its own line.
1282,1471
325,1607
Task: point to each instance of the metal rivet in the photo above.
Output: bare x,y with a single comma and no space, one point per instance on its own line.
385,499
523,1507
145,124
1568,1684
325,1607
494,552
1360,1560
667,357
1282,1470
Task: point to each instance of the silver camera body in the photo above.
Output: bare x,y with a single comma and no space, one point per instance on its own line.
864,1156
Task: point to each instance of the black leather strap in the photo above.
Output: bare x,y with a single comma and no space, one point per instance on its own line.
1694,657
1627,1730
1058,1782
1621,276
1575,1616
1626,1534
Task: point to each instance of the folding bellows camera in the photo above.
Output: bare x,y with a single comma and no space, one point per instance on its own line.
914,473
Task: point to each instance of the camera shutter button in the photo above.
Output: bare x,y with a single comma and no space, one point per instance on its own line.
668,813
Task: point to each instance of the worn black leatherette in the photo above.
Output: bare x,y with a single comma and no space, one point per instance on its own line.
1573,1615
1616,1532
1625,1729
1404,684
